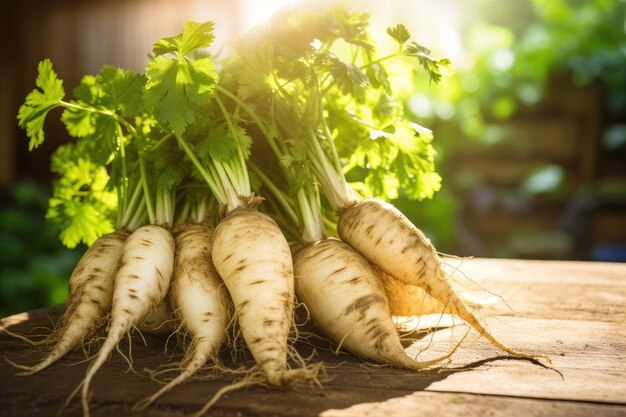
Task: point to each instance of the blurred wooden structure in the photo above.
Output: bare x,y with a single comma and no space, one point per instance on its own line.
564,130
80,37
574,312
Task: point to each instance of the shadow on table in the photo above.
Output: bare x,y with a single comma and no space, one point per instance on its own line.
348,381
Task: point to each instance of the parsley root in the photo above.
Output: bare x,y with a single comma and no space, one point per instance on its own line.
90,292
388,239
348,303
200,301
254,260
141,283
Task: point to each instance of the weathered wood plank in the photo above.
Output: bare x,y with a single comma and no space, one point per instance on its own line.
589,355
527,271
585,341
422,404
551,289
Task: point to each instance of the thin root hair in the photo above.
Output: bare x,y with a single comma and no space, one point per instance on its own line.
457,268
152,374
432,337
341,342
180,334
135,328
47,339
251,379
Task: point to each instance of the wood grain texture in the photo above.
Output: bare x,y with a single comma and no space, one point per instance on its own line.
574,312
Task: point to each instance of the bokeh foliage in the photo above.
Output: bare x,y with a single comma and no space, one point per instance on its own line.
34,265
516,49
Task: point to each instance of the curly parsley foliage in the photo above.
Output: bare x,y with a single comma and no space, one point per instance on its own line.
400,34
332,86
48,95
101,116
177,85
81,206
436,68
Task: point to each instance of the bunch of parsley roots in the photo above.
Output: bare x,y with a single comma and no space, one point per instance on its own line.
216,196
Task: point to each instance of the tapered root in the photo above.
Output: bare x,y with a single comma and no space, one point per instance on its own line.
389,240
106,349
197,361
26,339
258,272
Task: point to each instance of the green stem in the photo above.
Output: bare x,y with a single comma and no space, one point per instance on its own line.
281,143
328,135
131,208
201,211
276,192
183,213
88,109
241,179
216,188
355,53
232,198
146,191
138,218
334,183
164,212
119,220
255,119
170,206
108,113
381,59
160,142
159,208
313,229
124,180
319,109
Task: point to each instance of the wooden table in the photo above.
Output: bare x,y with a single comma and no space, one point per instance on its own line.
574,312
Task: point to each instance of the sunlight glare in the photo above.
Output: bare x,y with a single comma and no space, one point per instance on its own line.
255,12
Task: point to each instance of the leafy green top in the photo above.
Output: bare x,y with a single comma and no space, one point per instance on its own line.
177,85
39,102
323,80
313,86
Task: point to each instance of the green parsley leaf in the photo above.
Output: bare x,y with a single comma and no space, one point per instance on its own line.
99,145
219,144
244,140
378,77
352,27
349,78
178,86
436,68
81,206
80,221
122,90
400,34
195,35
48,95
79,123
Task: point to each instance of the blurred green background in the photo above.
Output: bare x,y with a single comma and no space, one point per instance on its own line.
530,130
34,266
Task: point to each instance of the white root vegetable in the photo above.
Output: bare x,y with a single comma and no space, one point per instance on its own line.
347,301
253,258
90,292
382,234
141,283
200,300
